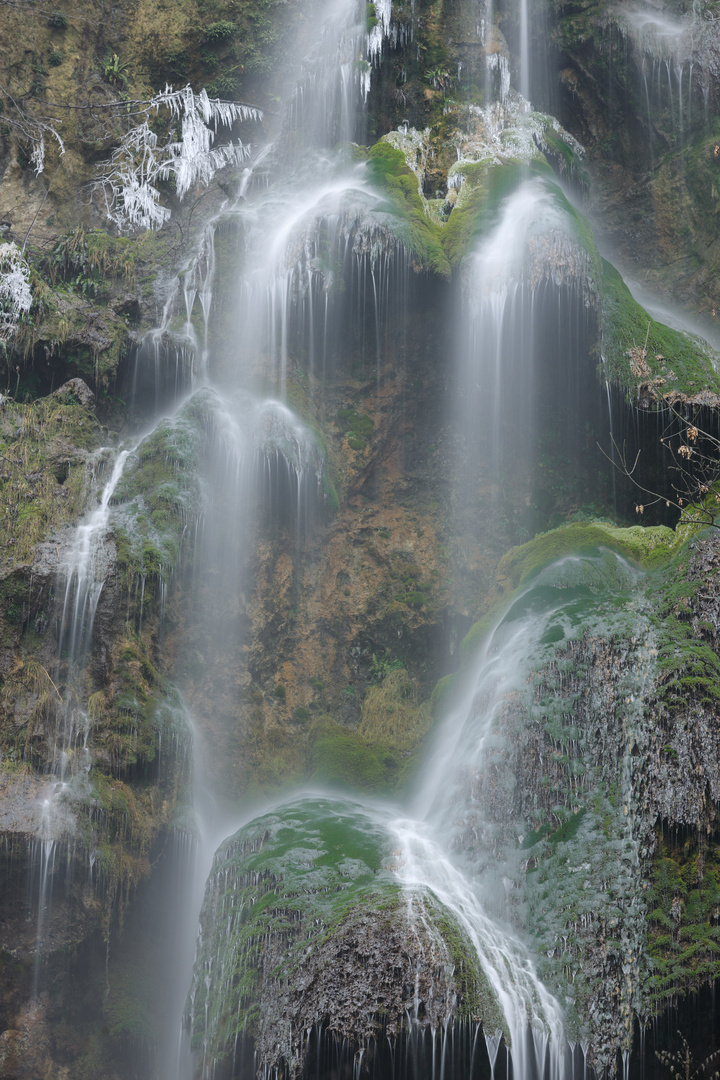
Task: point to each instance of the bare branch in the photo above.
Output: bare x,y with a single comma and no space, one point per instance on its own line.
695,454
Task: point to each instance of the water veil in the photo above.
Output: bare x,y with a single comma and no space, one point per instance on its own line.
302,236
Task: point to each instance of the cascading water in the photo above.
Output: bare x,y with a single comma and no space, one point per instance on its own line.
84,571
674,57
314,235
87,564
513,332
426,864
257,462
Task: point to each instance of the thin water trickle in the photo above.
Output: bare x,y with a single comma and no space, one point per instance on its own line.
85,570
507,964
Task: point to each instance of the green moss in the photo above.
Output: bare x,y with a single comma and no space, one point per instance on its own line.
332,500
390,176
299,400
345,760
571,164
441,696
138,714
159,493
683,901
299,875
219,31
485,187
688,665
42,469
358,427
649,547
311,862
477,998
626,325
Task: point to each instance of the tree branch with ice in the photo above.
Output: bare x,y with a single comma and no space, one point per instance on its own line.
15,294
141,161
31,131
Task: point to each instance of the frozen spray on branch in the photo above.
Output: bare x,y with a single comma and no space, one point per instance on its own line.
130,178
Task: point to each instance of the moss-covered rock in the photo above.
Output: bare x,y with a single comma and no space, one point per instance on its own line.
649,360
648,547
160,494
44,450
288,896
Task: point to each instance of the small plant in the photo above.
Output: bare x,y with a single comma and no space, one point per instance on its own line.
711,9
114,70
439,77
682,1065
358,428
219,31
382,666
225,85
280,692
209,58
301,714
55,58
57,21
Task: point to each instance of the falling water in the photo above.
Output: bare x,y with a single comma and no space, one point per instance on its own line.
675,57
83,573
85,570
506,962
524,86
301,236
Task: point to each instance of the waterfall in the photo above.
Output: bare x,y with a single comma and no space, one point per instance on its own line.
306,292
86,566
425,863
318,250
85,571
675,58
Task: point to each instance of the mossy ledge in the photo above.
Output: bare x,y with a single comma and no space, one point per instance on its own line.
649,360
649,548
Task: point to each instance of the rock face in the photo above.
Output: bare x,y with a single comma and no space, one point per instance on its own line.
654,164
600,762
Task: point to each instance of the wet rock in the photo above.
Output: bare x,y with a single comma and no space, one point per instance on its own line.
79,390
304,924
